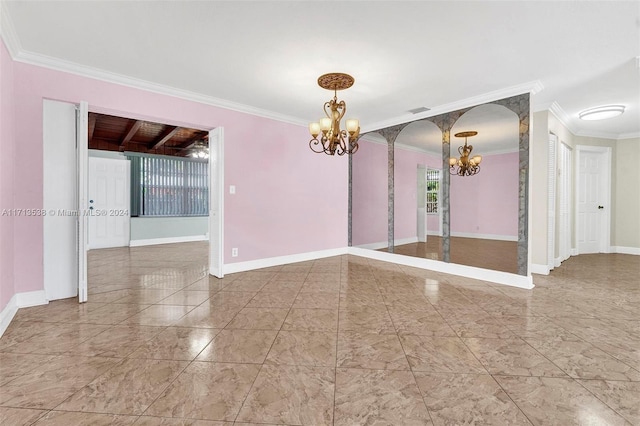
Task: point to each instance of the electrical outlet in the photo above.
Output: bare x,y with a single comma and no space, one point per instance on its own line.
232,189
234,252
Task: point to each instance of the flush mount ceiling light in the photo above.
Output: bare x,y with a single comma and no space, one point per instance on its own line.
465,165
333,140
602,112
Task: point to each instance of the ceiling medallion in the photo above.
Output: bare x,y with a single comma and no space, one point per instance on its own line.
465,165
333,140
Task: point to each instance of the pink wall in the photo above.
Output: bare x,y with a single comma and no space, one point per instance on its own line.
406,190
487,203
288,200
6,176
370,194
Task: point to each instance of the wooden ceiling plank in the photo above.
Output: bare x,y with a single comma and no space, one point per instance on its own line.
189,143
164,137
131,131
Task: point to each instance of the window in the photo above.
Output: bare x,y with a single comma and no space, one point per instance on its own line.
168,186
433,191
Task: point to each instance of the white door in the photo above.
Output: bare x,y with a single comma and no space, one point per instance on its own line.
551,201
109,202
422,192
216,202
62,239
593,201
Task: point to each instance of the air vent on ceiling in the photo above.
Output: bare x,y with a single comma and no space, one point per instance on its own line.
419,110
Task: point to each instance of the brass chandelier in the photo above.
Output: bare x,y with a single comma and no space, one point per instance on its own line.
465,165
333,140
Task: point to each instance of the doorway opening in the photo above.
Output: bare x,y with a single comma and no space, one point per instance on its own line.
170,187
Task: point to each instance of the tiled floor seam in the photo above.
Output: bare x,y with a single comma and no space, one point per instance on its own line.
235,420
415,380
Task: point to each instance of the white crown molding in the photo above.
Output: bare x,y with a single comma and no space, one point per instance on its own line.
635,135
566,121
561,116
8,32
18,54
597,134
532,87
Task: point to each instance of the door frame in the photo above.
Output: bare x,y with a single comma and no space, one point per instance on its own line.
565,195
552,173
82,158
83,180
605,224
216,202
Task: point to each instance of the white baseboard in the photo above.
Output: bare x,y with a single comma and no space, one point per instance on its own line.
485,236
20,300
539,269
231,268
435,233
497,277
625,250
384,244
170,240
7,314
574,252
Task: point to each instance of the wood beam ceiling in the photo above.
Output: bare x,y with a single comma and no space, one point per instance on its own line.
133,128
164,137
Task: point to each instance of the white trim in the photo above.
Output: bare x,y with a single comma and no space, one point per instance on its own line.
20,300
136,83
496,277
539,269
557,262
566,120
598,134
7,314
574,251
625,250
485,236
628,135
231,268
552,173
216,202
31,298
169,240
383,244
532,87
8,33
434,233
561,116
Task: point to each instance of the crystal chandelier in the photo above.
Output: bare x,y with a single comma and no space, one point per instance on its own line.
465,165
332,139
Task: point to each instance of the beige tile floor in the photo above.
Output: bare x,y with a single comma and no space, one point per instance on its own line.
342,341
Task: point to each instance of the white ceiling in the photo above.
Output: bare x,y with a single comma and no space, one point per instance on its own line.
265,56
